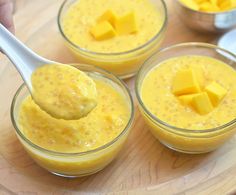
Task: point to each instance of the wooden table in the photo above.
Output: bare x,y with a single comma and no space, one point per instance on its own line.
143,167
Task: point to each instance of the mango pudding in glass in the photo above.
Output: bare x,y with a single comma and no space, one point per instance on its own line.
115,35
210,5
80,147
187,96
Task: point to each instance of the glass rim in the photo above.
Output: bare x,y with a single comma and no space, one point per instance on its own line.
163,27
98,149
206,13
155,118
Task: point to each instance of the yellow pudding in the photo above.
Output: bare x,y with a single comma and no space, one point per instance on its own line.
188,87
63,91
76,147
83,15
210,5
164,105
99,127
194,114
98,31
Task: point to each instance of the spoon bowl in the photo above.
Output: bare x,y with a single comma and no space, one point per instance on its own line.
24,59
61,90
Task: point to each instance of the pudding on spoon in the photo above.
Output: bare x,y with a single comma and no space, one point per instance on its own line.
61,90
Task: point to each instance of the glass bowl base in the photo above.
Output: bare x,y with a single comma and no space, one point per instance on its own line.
75,176
184,151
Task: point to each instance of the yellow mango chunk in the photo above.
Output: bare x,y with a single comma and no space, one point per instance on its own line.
103,30
200,1
185,82
202,103
200,76
109,16
191,4
186,99
215,92
233,3
225,4
209,7
214,2
220,1
126,24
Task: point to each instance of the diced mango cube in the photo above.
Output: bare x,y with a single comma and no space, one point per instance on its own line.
233,3
202,103
200,76
209,7
214,2
186,99
185,82
200,1
126,24
103,30
215,92
109,16
233,93
225,4
191,4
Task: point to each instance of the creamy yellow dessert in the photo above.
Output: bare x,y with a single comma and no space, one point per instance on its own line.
83,15
100,126
164,104
108,27
171,94
63,91
77,147
210,5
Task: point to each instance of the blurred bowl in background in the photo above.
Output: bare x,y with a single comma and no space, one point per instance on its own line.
211,22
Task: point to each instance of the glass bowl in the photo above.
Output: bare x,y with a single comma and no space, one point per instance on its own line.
211,22
83,163
123,64
179,139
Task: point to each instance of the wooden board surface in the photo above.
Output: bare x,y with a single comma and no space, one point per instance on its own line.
143,167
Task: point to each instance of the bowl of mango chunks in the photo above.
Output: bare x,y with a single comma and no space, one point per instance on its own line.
211,16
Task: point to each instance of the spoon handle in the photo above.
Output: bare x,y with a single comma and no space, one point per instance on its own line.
23,58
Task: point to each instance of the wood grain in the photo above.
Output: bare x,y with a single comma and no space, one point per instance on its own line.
143,167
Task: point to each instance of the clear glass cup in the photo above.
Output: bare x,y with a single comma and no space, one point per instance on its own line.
83,163
179,139
123,64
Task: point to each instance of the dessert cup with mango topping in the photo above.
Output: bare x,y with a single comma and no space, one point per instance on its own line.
187,140
123,63
75,164
206,22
